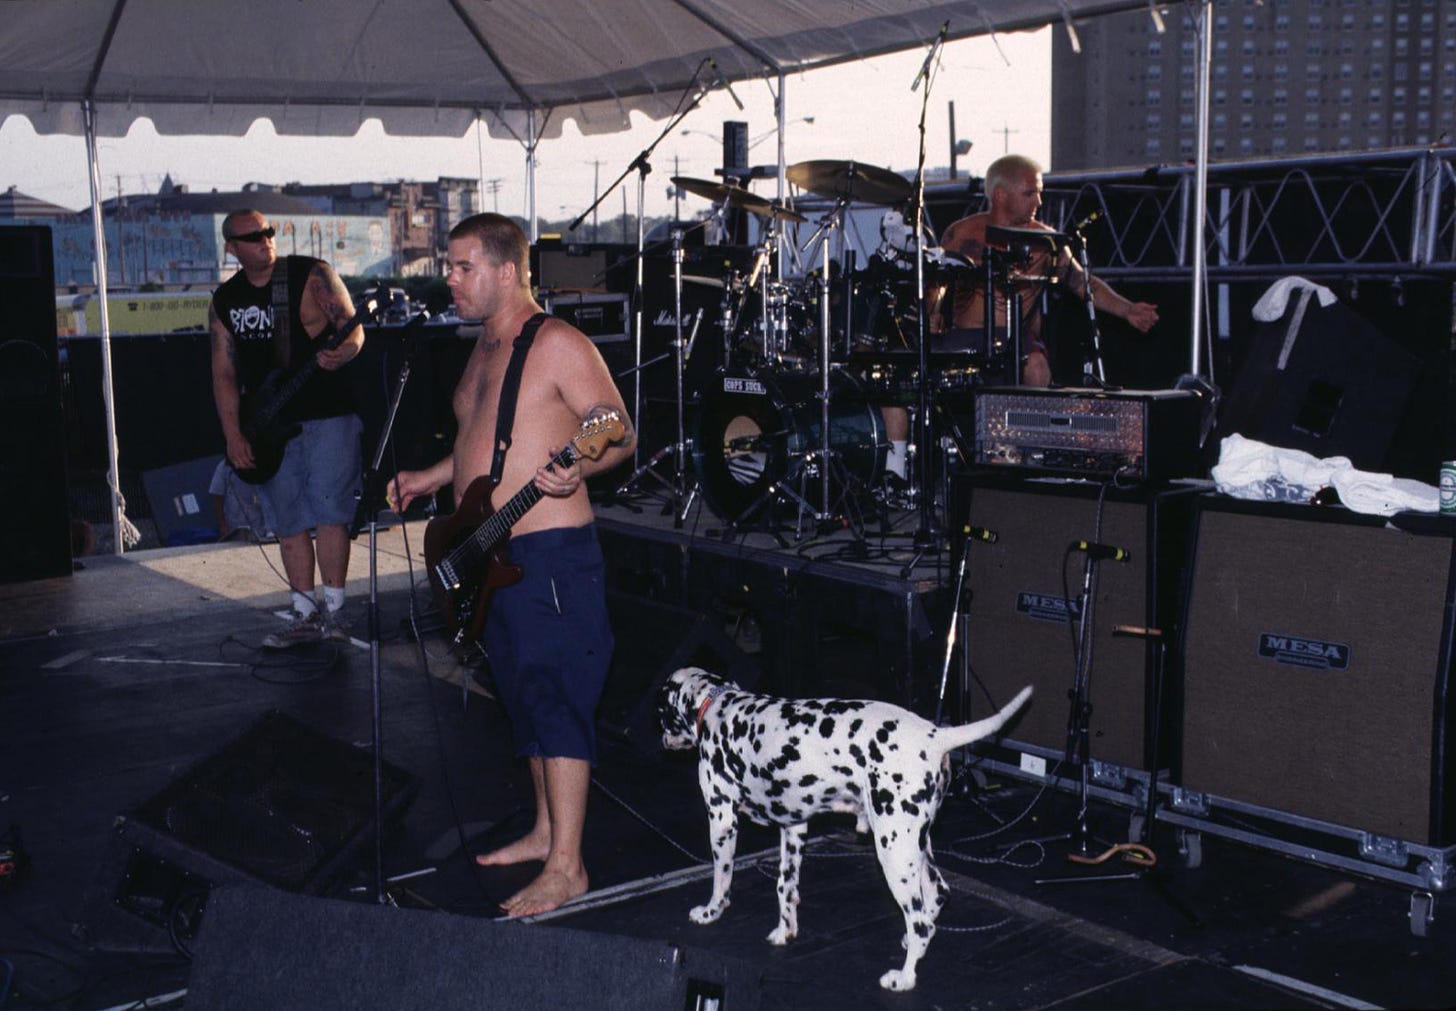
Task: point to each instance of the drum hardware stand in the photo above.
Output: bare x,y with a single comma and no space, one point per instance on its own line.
827,226
691,97
682,497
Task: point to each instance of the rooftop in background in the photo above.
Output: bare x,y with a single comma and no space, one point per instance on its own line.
14,204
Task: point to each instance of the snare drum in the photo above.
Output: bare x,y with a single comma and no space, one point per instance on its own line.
756,429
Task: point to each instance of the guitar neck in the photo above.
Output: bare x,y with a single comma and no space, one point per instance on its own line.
305,369
495,529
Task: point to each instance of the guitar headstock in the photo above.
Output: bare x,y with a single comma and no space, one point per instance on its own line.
597,433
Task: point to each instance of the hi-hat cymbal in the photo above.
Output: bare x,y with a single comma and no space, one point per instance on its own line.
849,180
736,196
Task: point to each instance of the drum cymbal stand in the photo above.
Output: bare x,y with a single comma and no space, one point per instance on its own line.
824,233
682,496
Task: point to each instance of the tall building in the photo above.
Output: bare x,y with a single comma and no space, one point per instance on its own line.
1289,77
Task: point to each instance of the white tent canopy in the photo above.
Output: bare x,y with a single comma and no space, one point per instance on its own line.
430,67
436,67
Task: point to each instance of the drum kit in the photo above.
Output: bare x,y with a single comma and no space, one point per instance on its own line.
792,413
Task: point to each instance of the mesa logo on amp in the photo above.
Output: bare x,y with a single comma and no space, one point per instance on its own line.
1300,652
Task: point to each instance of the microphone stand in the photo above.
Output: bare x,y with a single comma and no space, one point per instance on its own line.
927,538
371,500
643,168
1093,373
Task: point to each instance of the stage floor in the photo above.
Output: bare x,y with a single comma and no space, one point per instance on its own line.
117,681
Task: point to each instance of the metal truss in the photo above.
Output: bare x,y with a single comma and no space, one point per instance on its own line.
1374,214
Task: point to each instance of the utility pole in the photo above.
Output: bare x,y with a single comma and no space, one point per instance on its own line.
120,238
493,187
1006,131
596,165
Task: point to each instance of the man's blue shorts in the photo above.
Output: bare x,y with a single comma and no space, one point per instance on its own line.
317,483
550,642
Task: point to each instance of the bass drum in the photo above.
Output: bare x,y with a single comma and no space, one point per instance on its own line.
755,430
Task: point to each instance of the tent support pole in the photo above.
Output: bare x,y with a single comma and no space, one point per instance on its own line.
98,227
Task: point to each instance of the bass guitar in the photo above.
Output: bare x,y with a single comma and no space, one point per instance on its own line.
263,426
465,552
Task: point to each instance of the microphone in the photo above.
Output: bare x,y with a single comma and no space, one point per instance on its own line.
1097,551
981,534
1086,221
930,56
727,85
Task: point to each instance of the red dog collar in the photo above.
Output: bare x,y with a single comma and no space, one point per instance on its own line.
703,707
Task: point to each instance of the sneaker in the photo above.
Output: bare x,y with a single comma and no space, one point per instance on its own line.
336,628
302,631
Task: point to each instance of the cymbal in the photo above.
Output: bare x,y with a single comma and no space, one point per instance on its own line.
736,196
705,188
711,282
849,180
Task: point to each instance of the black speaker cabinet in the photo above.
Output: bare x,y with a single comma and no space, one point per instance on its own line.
35,528
266,949
1024,597
1316,667
1328,382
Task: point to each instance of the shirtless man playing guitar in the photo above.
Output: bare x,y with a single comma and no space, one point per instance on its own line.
547,637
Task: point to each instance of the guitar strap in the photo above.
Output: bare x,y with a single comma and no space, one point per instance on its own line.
505,417
282,315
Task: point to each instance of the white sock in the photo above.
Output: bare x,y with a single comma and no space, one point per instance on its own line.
303,604
895,459
333,598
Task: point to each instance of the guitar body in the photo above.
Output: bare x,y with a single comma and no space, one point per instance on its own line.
260,410
465,552
268,439
466,603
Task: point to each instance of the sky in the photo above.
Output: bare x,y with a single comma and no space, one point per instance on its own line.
866,111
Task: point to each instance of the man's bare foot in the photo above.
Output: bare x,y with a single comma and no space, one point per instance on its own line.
549,891
528,847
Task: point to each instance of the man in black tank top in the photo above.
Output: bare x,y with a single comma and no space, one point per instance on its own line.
271,317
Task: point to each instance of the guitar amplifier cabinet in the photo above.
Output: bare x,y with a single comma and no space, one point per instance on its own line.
602,317
1316,669
1024,599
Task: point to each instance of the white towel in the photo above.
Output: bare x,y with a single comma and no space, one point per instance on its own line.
1272,303
1251,469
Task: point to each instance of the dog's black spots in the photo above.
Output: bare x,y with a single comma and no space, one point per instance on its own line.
808,779
923,929
826,727
857,753
854,727
909,807
876,755
883,800
796,715
886,729
843,771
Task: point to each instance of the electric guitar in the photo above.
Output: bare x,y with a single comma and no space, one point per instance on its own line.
262,425
465,552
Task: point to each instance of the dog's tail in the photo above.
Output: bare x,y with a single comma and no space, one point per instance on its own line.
950,738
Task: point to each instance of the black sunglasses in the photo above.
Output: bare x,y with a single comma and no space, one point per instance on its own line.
258,236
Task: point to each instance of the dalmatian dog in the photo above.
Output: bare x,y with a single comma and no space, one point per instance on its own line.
779,761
